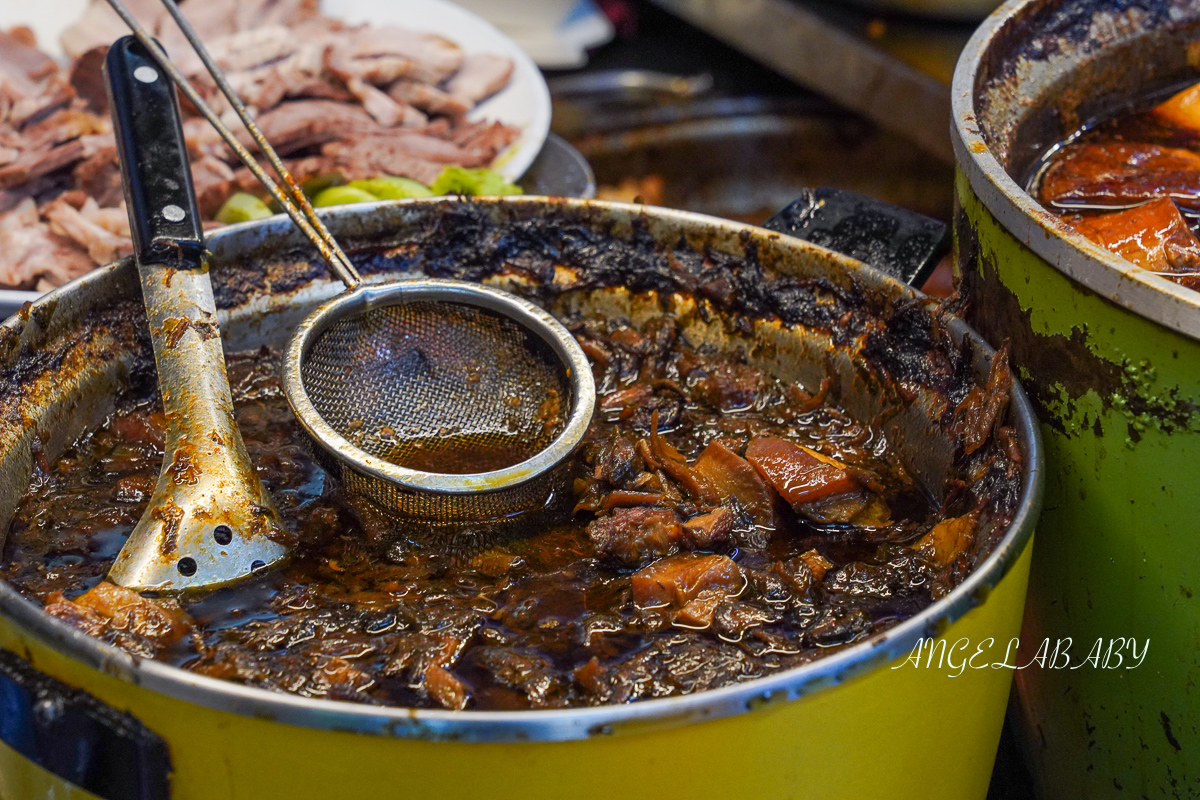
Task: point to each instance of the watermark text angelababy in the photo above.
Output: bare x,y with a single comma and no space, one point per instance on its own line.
957,657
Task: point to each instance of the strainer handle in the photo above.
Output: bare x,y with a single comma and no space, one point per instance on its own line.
902,243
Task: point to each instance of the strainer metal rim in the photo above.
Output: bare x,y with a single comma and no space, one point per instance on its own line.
535,319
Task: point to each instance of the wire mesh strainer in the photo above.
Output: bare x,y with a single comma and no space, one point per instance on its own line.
440,400
484,393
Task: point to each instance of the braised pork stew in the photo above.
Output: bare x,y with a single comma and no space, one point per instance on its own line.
752,528
727,519
1131,184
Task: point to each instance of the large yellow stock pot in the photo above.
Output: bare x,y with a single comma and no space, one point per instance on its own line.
915,712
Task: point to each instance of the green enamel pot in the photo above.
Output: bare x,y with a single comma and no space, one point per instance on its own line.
1111,359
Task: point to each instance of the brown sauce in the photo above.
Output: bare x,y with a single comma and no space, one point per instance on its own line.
461,454
682,569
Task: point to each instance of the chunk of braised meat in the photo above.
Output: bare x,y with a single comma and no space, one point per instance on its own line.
666,403
660,455
616,460
633,536
619,498
729,478
856,508
532,675
123,617
817,564
800,474
818,487
734,618
621,404
1181,109
698,612
765,586
613,465
727,387
709,530
426,661
448,690
678,579
949,539
1121,174
1154,236
840,625
721,497
640,403
797,574
539,604
495,563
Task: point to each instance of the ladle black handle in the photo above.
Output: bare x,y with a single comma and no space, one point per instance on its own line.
902,243
154,163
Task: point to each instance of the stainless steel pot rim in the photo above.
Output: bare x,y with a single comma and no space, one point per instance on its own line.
1100,270
374,295
577,723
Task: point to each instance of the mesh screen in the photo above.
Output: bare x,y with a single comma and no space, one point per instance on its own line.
439,387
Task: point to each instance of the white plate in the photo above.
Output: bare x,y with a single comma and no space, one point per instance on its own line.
524,103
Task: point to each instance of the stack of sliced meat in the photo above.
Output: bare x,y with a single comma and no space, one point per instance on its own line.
358,101
46,137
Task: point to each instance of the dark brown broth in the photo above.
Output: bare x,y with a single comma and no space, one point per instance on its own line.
461,454
361,611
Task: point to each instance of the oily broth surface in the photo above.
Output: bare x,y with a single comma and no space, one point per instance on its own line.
368,613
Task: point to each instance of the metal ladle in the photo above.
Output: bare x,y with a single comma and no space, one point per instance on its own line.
210,521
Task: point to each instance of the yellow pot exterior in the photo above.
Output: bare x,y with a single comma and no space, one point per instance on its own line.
21,778
898,732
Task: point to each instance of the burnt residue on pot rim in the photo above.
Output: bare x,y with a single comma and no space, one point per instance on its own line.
359,228
1024,63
